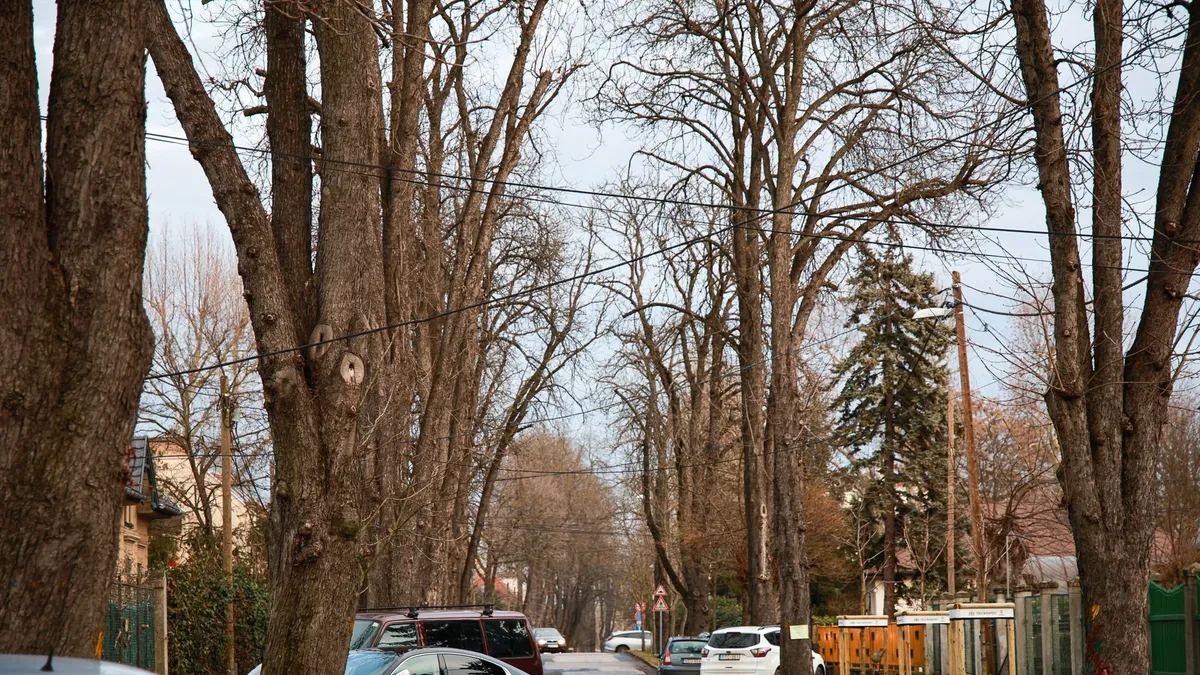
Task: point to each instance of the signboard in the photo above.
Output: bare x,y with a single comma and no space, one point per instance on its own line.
798,632
940,618
981,613
862,621
660,592
639,626
660,605
639,606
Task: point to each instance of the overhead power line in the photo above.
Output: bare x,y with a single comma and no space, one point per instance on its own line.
760,213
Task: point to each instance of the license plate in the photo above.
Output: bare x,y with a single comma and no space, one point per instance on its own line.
729,657
690,661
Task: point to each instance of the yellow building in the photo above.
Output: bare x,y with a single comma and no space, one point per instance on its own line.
143,505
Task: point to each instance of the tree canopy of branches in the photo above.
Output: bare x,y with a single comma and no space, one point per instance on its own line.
385,368
796,114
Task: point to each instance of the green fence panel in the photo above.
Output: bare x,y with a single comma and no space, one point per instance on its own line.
1167,634
129,626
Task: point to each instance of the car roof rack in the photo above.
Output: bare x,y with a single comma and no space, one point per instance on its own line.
413,611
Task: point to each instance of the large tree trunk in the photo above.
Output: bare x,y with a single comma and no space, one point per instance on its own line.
76,340
314,398
788,442
1108,408
760,589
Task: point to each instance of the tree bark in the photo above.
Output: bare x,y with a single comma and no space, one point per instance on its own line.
77,341
1108,409
313,398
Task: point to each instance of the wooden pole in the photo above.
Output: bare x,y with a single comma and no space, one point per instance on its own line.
161,661
227,524
951,471
972,472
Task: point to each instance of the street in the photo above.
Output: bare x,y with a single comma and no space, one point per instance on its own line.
594,662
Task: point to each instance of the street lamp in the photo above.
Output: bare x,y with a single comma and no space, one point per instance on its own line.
972,461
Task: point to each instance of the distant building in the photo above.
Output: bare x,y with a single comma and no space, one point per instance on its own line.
179,483
144,504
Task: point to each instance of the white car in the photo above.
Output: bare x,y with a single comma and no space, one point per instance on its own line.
746,650
625,640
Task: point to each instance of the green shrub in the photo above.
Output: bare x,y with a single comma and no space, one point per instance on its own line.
196,597
728,611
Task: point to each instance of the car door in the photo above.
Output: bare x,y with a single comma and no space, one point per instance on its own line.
398,635
420,664
511,641
464,664
454,633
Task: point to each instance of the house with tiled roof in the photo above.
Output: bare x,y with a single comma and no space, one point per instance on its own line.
144,505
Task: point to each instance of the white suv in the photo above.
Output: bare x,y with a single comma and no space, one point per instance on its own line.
625,640
746,650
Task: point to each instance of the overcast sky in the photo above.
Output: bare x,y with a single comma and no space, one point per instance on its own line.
179,193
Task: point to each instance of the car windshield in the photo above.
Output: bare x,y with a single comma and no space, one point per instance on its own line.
363,633
546,633
687,646
733,640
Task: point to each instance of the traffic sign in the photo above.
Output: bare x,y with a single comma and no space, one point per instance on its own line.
639,606
660,592
660,605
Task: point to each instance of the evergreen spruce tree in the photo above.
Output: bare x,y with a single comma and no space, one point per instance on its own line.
891,405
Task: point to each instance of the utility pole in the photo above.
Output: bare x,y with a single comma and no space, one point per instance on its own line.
951,470
227,522
981,590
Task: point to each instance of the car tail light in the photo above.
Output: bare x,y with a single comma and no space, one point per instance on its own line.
760,652
667,658
704,653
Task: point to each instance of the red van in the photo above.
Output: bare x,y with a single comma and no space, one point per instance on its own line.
501,635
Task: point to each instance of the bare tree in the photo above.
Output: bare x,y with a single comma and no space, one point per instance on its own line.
1108,397
194,300
77,342
795,112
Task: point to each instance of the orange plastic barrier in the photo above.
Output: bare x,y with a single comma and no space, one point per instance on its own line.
827,646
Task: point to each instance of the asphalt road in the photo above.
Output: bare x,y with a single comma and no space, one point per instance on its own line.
594,663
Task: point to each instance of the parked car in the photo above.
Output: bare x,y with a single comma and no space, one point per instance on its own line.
550,640
35,664
746,650
624,640
681,656
430,661
501,635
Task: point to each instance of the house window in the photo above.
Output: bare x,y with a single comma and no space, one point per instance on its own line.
130,515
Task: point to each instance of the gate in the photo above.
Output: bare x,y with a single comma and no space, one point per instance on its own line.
129,625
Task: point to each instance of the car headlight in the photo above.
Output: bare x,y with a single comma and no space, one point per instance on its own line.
541,643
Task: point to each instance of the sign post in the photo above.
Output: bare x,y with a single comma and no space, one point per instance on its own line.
860,622
979,611
904,622
660,606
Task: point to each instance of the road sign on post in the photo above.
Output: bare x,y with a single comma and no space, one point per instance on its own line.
660,604
660,592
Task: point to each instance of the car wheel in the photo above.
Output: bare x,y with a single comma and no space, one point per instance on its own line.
820,670
621,649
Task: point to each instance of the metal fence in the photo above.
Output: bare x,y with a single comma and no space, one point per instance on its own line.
1170,628
129,625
